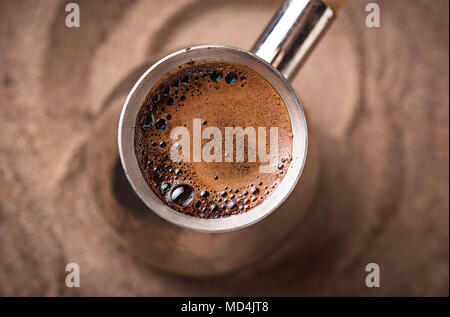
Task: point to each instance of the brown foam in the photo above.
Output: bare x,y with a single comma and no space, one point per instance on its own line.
249,102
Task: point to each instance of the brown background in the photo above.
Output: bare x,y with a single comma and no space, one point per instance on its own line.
377,99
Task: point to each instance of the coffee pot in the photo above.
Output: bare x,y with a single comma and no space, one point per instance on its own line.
188,245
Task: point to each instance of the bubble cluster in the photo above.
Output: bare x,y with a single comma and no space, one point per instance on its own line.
176,183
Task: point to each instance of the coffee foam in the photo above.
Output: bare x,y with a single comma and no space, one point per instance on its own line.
222,95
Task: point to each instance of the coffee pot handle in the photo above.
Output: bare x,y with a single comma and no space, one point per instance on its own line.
293,32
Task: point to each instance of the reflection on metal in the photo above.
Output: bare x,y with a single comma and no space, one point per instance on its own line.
292,34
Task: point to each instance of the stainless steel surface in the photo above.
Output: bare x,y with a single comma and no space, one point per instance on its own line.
292,34
212,52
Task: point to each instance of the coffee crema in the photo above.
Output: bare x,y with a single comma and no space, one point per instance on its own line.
216,94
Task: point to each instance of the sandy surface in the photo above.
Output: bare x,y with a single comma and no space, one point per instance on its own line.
377,99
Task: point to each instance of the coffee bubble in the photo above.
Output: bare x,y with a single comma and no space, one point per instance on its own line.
161,125
149,121
254,191
231,78
176,84
204,194
232,205
156,99
216,76
182,195
165,187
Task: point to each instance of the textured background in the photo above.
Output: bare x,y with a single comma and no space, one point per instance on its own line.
377,99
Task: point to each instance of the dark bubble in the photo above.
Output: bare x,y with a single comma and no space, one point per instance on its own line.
162,144
214,208
149,121
161,124
223,193
185,79
182,195
205,122
216,76
245,193
254,190
280,166
165,187
175,84
182,97
178,171
283,160
156,170
168,117
154,143
156,99
167,91
204,194
231,78
198,205
170,101
232,205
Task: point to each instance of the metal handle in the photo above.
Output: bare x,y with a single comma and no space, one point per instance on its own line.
292,34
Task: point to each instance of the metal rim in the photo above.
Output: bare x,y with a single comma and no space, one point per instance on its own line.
201,224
